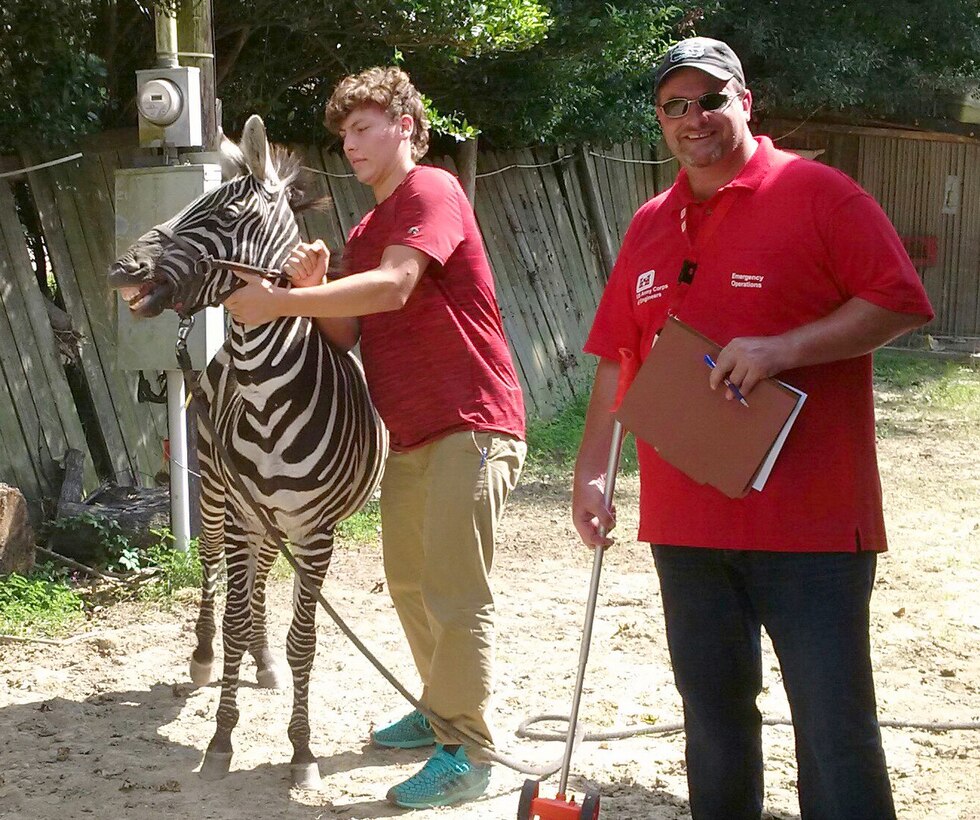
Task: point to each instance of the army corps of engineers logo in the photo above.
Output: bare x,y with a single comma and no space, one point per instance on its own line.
687,51
646,289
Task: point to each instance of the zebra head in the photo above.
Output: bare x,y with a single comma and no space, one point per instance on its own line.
249,219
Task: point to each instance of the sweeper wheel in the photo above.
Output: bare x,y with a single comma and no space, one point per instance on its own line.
590,806
528,793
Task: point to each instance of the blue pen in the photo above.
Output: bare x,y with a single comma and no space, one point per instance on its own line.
735,391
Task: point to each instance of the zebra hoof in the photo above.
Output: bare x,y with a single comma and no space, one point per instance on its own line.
306,776
271,678
215,765
201,672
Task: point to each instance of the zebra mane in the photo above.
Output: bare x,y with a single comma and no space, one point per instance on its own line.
298,181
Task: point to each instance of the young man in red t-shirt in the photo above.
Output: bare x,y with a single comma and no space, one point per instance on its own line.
440,372
798,273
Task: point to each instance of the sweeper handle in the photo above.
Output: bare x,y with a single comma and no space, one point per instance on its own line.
531,805
612,466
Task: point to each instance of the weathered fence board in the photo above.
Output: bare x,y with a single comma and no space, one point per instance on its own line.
35,339
320,223
76,215
508,257
511,208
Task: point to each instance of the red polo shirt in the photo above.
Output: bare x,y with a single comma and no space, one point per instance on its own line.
441,363
795,241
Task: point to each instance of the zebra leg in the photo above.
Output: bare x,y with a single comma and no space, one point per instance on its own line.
212,537
212,526
300,651
202,658
236,634
269,674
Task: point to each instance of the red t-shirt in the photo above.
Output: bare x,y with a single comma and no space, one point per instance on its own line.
440,364
797,240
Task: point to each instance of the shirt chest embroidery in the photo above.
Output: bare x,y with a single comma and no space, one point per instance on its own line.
747,280
647,289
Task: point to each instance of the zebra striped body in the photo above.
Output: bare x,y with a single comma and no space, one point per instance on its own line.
293,414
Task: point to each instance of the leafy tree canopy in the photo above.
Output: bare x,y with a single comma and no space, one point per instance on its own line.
52,87
900,59
518,71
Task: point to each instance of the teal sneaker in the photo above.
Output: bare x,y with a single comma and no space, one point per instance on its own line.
411,732
445,779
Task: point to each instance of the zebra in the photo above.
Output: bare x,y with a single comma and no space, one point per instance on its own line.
293,414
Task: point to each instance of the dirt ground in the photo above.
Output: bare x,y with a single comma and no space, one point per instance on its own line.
110,726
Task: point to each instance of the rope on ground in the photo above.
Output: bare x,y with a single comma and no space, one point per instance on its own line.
50,641
524,730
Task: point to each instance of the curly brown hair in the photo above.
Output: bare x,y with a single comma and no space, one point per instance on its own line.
389,88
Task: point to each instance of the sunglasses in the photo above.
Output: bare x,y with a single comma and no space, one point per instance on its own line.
714,101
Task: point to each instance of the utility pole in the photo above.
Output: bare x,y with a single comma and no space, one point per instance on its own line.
177,115
195,32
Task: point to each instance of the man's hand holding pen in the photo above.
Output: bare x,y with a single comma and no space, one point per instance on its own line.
746,361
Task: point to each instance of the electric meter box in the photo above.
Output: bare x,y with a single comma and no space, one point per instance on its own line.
145,197
168,104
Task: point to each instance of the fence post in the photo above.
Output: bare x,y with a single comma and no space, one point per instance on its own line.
466,153
597,216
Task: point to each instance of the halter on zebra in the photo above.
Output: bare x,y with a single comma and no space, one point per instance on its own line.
293,414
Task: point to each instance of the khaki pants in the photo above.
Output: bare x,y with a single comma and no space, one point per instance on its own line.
440,506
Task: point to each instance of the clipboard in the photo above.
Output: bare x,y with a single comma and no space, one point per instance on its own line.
711,439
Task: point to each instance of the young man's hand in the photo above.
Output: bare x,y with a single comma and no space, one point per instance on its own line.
307,264
254,303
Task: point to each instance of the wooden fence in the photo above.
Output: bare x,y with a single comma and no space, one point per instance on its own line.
929,185
533,208
530,205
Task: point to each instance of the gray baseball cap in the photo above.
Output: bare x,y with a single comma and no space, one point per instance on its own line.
710,56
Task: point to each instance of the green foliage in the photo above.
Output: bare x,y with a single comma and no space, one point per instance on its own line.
177,569
38,603
890,59
552,444
587,80
449,125
112,548
174,569
287,55
52,85
519,72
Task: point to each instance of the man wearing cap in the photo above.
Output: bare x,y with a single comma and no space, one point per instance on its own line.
798,273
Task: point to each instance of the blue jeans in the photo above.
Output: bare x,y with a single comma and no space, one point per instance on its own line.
814,607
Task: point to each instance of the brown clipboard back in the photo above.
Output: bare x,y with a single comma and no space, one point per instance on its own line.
711,439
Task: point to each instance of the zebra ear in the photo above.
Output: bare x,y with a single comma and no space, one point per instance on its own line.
258,155
231,159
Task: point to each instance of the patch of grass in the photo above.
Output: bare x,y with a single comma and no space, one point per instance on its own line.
936,384
363,527
39,603
552,444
